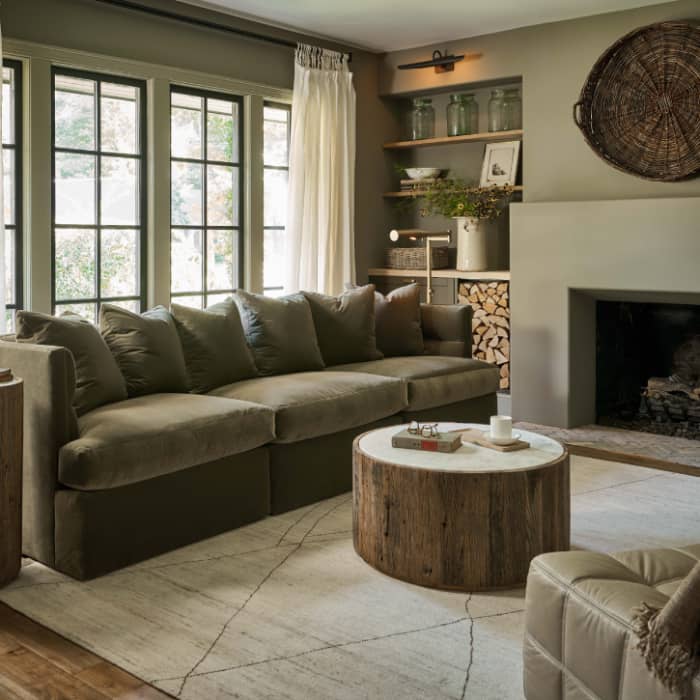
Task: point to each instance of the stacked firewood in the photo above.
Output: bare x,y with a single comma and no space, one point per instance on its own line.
676,398
490,323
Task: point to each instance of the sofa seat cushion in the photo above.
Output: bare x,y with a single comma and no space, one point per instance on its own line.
311,404
434,380
149,436
579,621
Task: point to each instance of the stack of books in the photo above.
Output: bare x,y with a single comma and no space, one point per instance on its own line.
442,442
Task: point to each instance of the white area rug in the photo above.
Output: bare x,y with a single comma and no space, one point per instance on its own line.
284,608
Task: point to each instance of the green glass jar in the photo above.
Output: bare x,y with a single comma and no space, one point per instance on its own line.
422,119
462,114
496,110
512,110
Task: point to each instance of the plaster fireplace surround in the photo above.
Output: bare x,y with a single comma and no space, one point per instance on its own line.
566,257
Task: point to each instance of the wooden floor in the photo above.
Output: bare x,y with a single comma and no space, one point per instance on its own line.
36,663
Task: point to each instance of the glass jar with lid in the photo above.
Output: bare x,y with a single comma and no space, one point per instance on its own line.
462,114
512,110
496,110
422,119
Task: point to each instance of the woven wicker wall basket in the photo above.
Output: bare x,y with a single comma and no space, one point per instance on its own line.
639,109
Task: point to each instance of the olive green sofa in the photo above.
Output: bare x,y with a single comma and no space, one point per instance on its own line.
139,477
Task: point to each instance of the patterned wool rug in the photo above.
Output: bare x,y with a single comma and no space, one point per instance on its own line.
284,608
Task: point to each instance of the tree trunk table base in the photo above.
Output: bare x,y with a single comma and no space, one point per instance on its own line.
470,520
11,397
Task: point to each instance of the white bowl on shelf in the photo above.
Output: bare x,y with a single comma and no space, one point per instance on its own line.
422,173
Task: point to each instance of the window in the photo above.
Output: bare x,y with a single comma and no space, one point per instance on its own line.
276,125
12,186
99,198
205,196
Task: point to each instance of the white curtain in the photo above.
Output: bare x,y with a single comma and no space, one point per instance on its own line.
320,237
3,323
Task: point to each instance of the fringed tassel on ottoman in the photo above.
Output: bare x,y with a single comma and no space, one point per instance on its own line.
669,638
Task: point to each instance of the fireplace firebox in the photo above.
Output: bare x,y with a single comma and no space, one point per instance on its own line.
648,367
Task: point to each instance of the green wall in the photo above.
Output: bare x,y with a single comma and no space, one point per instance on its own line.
554,61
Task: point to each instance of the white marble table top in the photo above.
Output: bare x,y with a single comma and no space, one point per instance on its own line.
468,458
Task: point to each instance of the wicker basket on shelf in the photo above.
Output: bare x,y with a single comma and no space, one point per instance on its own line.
414,258
639,109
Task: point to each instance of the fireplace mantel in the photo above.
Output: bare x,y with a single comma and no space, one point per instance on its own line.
564,256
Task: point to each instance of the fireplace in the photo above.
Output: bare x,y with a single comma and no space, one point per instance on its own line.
648,367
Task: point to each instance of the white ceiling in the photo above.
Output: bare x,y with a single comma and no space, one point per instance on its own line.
389,25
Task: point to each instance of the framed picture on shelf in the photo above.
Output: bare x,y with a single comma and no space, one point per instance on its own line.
500,163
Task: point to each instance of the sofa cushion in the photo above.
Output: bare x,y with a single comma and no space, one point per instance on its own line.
280,332
433,380
398,322
149,436
146,347
345,325
310,404
214,345
97,377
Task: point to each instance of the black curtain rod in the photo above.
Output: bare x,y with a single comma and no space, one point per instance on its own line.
204,23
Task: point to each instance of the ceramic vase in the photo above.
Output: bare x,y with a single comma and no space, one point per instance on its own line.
471,244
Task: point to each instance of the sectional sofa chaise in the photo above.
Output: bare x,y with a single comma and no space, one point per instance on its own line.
133,478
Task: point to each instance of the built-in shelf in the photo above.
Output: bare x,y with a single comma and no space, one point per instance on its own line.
467,138
448,272
418,193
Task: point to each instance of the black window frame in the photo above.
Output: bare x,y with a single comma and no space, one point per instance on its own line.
18,148
98,153
204,292
287,108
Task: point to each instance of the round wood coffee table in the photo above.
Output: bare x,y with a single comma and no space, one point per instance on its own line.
469,520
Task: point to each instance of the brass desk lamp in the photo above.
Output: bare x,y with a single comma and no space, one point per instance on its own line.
430,237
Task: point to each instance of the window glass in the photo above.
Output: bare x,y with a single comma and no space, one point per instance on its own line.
98,222
12,186
205,196
276,131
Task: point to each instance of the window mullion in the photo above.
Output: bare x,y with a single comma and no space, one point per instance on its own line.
98,190
205,199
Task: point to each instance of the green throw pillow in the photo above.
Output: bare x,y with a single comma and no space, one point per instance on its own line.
280,332
398,322
97,377
345,325
214,345
147,349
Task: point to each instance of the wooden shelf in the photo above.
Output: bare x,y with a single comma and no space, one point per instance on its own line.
418,193
484,137
445,272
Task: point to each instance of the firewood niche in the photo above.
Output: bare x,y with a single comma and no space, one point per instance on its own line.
490,322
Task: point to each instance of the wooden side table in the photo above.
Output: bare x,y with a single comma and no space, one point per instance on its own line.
11,409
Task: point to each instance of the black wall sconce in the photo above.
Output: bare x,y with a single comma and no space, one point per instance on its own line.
442,62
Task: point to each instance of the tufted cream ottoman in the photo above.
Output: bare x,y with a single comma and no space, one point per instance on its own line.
579,643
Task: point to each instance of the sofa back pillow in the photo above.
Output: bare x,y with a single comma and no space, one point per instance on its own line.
398,322
214,345
280,332
146,347
345,325
98,380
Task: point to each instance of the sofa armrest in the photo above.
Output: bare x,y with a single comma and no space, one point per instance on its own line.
447,329
49,423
